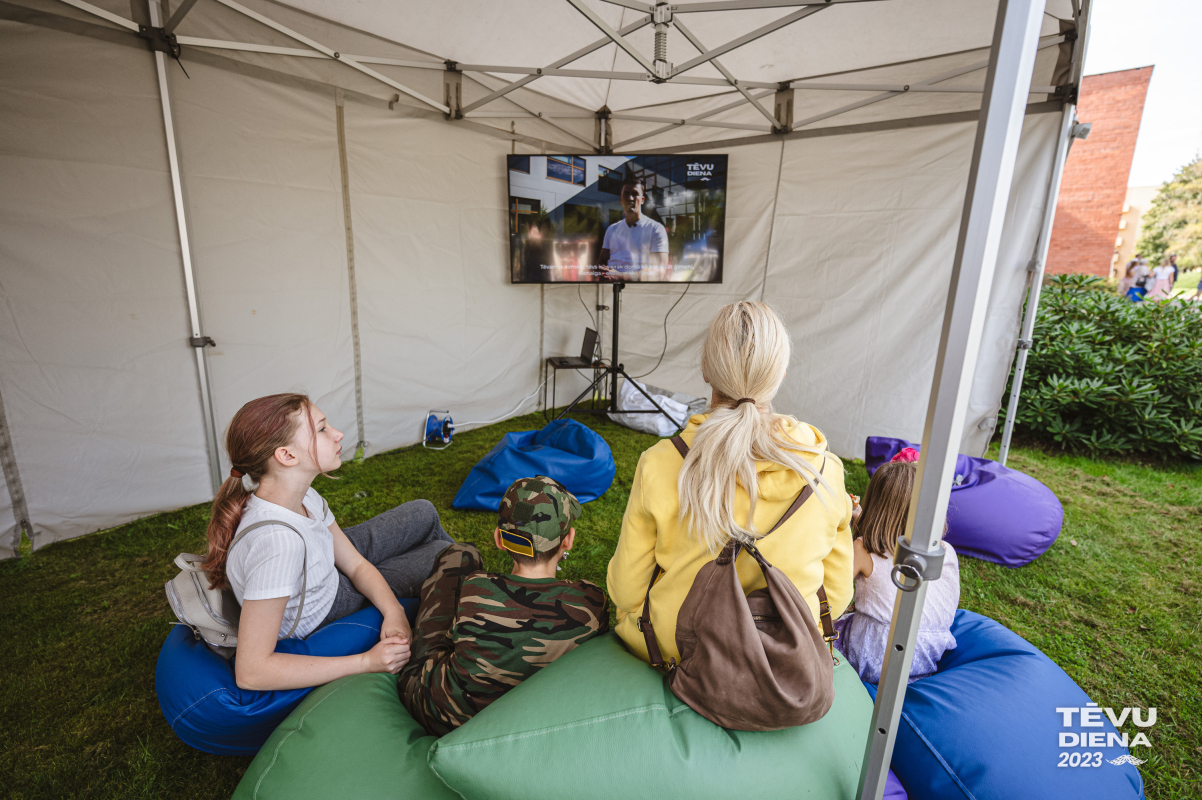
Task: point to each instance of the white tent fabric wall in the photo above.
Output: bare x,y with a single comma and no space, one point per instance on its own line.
440,324
263,193
854,245
98,382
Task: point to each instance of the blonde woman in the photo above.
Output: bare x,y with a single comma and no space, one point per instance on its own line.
744,468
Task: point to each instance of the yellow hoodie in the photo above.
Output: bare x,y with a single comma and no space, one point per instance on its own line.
813,548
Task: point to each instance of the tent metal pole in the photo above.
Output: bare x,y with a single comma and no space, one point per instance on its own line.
1038,264
178,16
747,38
641,22
1068,131
617,37
741,5
693,40
1011,64
198,340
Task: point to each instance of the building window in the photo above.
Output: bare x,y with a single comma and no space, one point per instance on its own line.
605,172
569,169
523,212
519,164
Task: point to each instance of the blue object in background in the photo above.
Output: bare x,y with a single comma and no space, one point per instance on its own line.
564,450
203,704
985,726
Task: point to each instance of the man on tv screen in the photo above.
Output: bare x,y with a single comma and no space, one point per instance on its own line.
635,247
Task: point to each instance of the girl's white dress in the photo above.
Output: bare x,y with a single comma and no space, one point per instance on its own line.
864,633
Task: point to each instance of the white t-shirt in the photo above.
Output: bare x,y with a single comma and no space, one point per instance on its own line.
1163,273
266,563
630,246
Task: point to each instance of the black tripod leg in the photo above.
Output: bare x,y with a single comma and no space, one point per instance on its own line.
679,425
580,396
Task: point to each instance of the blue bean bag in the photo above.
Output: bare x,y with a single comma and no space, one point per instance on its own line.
564,450
205,707
985,726
995,513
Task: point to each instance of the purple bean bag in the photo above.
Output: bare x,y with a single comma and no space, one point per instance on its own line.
995,513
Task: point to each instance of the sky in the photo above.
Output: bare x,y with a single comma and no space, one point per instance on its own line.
1167,33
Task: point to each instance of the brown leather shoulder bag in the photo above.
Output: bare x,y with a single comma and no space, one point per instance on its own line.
753,662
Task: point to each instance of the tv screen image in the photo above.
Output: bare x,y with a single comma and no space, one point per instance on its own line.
604,218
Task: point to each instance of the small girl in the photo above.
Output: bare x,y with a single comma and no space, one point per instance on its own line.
864,633
277,445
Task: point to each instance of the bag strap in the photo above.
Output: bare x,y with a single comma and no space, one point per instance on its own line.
824,607
304,557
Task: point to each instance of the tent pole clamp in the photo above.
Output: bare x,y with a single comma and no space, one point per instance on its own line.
201,341
1025,344
160,40
915,565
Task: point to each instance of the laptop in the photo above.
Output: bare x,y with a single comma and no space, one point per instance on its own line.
587,353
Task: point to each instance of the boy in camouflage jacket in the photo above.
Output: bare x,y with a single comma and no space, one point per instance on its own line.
479,634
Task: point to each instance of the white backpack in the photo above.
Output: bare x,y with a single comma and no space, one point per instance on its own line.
213,614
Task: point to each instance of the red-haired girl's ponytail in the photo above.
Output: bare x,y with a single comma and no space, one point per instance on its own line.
258,429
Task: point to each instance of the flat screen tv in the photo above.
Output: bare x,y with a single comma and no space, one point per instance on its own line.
591,218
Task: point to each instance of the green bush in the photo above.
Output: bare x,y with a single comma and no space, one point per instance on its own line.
1107,376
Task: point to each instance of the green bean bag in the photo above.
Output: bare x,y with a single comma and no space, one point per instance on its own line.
598,723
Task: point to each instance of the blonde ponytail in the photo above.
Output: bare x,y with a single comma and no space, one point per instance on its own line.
744,359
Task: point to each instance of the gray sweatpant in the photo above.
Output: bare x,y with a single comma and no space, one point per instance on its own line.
402,544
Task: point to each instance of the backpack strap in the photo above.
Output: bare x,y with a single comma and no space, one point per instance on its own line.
654,654
304,557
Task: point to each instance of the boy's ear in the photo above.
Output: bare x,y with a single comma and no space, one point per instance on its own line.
569,540
496,537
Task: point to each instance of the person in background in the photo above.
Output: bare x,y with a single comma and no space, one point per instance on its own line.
1128,279
479,634
1162,281
1176,270
864,633
1139,281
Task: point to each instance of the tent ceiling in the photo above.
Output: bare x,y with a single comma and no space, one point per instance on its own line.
840,37
863,60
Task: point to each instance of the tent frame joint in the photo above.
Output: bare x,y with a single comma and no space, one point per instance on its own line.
160,40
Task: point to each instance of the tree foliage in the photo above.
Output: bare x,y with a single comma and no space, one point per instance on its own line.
1173,223
1108,376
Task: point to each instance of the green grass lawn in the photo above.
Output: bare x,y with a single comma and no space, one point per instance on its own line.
1115,602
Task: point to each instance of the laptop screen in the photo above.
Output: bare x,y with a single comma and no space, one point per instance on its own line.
589,348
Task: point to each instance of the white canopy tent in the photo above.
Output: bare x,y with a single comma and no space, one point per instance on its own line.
319,203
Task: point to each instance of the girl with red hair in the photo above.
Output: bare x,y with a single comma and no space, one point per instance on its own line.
300,571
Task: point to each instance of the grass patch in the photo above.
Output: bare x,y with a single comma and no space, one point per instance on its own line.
85,618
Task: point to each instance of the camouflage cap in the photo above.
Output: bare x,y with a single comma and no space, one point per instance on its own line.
535,514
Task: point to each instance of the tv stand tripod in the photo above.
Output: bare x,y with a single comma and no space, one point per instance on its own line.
612,371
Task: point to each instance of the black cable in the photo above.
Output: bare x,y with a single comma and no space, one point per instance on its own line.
580,297
665,350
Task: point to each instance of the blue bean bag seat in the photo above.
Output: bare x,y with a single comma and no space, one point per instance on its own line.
995,513
203,704
985,726
564,450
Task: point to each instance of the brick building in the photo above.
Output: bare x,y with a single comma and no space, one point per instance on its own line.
1085,234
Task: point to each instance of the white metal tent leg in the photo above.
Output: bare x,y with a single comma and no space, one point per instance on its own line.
1081,14
198,339
1040,261
1011,63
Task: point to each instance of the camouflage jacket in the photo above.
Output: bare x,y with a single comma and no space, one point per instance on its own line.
479,634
